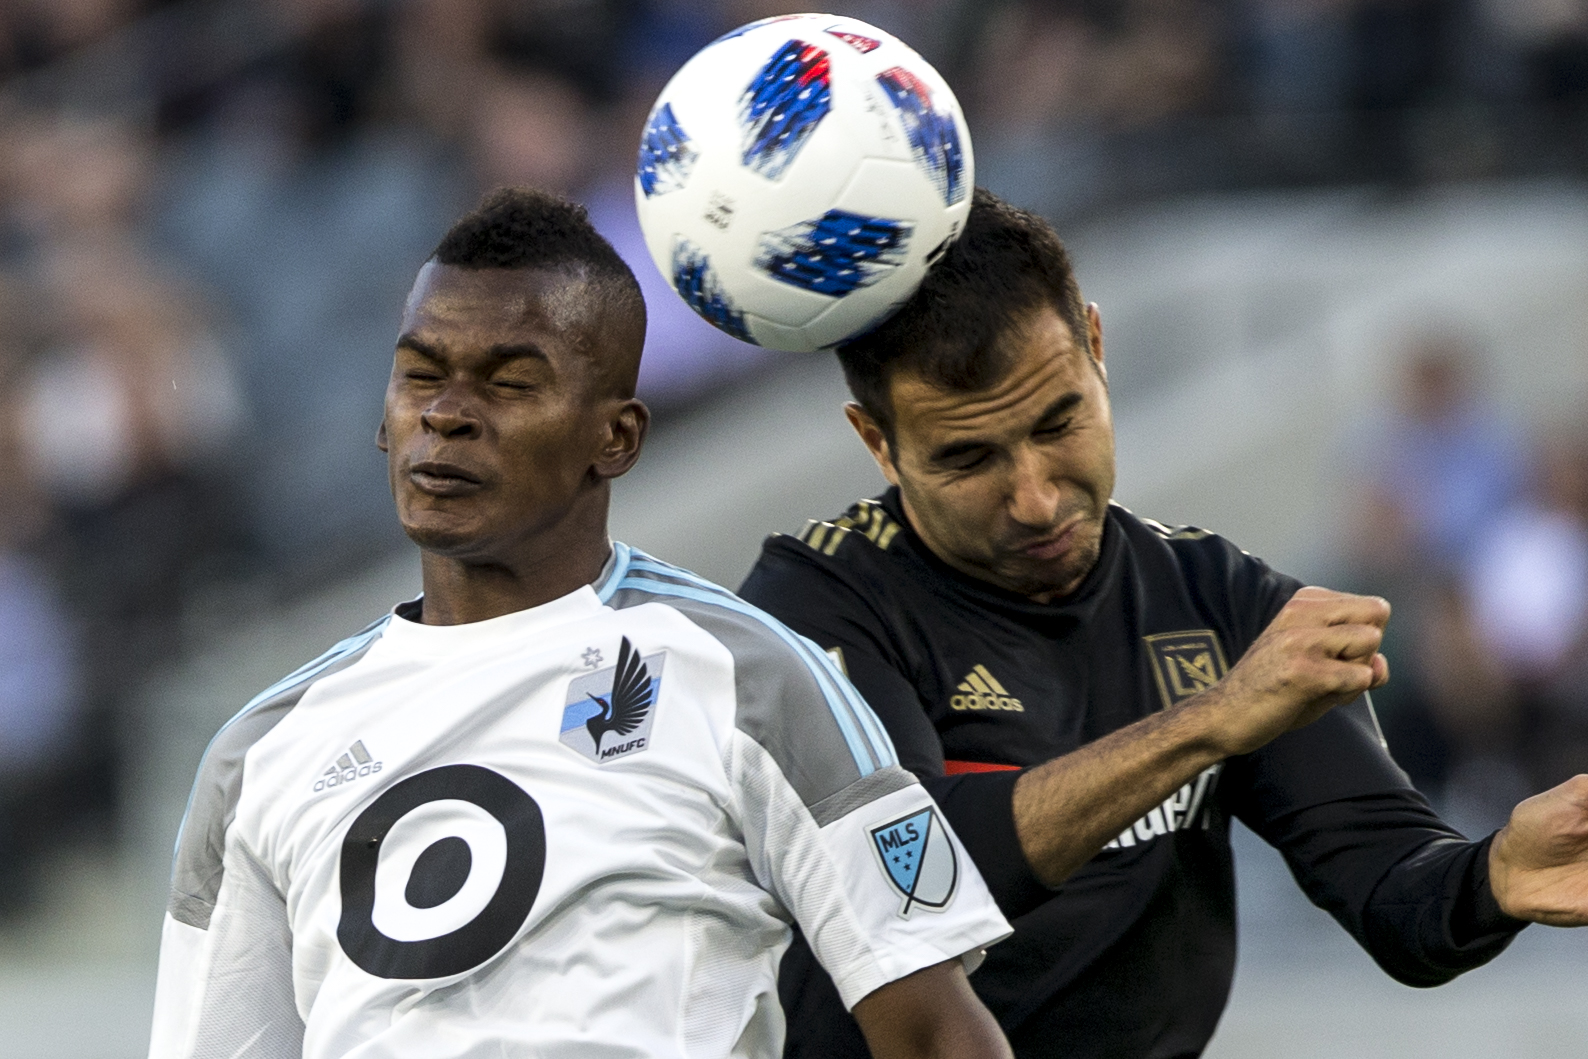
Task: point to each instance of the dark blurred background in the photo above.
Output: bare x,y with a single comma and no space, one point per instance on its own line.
210,212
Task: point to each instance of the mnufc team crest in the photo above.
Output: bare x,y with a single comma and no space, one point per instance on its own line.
918,857
609,712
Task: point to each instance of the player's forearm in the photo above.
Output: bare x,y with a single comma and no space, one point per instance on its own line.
1067,809
931,1014
1319,652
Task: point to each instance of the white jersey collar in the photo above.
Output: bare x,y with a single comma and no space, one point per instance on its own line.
580,603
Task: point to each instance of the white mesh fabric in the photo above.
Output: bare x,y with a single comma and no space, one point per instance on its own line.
247,1006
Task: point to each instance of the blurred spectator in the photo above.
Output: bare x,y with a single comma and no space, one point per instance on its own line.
136,391
1528,575
530,128
36,32
1446,460
1300,56
1162,60
1039,68
1528,581
1468,692
1031,94
1552,36
123,421
1442,468
123,417
40,716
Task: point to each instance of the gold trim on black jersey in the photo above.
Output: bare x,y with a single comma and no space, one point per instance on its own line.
1174,533
866,519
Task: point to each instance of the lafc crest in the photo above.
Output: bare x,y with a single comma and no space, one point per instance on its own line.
1185,663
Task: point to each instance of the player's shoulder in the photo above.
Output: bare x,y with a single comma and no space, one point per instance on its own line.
217,789
753,637
1211,565
864,534
861,551
266,709
787,690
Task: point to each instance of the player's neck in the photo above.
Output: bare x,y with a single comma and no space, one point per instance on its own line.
463,589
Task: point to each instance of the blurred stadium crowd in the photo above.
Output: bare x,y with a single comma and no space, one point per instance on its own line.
210,212
1478,534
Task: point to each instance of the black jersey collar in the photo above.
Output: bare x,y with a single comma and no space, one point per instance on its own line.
1079,606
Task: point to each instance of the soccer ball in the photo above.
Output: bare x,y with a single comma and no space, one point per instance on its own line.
798,176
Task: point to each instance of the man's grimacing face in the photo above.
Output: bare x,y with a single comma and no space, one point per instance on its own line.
1010,484
495,420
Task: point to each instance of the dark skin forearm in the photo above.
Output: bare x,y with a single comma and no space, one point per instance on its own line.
931,1014
1319,652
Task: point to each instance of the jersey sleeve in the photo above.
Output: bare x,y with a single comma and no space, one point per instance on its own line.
789,583
847,841
825,607
225,984
225,988
1412,891
1360,840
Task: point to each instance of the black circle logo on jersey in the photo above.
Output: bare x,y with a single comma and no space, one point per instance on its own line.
439,873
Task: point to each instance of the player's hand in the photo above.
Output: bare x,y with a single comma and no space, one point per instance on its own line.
1319,652
1538,863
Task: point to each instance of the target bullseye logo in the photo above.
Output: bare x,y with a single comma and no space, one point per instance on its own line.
439,873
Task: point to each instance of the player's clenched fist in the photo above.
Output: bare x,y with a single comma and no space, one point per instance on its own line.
1319,652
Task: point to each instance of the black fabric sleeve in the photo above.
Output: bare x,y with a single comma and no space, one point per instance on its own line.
1362,843
1413,892
980,808
817,602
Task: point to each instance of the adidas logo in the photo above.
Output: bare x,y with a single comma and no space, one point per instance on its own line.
355,763
980,690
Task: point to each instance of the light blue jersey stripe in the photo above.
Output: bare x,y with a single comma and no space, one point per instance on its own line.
622,557
881,745
313,669
853,738
879,735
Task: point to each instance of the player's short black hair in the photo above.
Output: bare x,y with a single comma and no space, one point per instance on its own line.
1007,263
522,227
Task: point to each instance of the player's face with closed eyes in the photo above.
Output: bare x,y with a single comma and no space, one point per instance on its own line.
490,424
1011,484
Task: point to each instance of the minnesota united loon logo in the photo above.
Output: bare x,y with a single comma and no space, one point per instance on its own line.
918,857
609,712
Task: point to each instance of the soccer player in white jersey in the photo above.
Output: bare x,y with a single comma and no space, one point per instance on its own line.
569,802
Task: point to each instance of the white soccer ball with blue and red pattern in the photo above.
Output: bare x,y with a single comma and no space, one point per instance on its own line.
799,175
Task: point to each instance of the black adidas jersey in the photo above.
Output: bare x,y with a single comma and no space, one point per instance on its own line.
1133,955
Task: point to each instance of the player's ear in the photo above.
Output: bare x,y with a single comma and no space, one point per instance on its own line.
622,439
874,438
1094,337
380,435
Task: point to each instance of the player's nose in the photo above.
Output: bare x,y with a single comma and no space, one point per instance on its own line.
1033,495
450,416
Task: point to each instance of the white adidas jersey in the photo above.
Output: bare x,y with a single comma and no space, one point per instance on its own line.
580,830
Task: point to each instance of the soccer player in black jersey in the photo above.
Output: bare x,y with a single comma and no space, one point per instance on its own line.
1059,671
